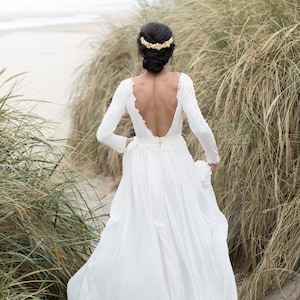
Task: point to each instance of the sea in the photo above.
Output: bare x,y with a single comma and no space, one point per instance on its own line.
22,14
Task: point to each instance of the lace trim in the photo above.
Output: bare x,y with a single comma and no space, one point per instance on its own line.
137,110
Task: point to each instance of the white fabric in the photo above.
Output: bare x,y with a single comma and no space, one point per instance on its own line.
166,237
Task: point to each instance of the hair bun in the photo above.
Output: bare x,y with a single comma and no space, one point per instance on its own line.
153,65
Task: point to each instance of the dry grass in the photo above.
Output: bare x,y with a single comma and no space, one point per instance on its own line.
244,59
44,236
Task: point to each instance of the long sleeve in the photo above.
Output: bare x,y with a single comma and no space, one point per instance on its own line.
105,133
197,122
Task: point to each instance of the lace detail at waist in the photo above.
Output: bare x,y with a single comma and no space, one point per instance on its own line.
158,143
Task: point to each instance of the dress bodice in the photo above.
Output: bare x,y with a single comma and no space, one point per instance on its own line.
124,100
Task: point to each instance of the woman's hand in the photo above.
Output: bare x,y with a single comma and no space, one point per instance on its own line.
213,167
129,140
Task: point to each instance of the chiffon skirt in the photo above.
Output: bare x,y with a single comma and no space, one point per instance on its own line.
166,237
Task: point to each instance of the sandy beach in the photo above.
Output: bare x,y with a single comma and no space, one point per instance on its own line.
49,56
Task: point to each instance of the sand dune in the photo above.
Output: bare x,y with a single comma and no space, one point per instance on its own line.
50,56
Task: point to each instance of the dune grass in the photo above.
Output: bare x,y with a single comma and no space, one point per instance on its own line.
45,234
244,59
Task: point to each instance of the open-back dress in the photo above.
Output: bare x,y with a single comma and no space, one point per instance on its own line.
166,238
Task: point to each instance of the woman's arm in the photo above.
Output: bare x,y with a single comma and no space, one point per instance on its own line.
198,124
105,133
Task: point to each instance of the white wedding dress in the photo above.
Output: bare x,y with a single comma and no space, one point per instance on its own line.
166,237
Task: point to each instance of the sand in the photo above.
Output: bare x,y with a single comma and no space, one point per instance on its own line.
50,56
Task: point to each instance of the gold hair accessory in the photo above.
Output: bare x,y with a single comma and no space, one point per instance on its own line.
156,46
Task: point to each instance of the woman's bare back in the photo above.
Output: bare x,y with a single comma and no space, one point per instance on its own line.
156,100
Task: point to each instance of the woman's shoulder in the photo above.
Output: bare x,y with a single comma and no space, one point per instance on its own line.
126,82
185,82
185,77
124,85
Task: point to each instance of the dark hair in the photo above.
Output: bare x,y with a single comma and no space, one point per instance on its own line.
154,60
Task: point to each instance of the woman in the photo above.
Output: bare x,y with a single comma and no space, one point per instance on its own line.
166,237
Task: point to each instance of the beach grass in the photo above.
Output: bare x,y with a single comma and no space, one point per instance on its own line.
46,225
243,57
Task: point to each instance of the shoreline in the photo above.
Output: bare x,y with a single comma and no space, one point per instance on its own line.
50,56
38,20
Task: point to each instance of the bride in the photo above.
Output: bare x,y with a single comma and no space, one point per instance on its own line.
166,238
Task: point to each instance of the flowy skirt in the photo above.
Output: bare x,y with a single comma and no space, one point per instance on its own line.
166,238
